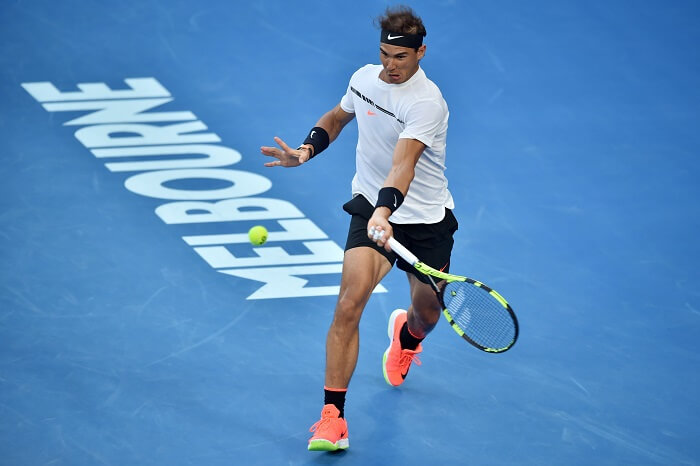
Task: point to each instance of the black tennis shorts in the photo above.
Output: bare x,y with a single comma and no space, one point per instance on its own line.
431,243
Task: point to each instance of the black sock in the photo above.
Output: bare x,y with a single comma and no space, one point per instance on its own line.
407,340
336,398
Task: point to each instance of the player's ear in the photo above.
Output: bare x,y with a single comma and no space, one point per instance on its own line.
421,51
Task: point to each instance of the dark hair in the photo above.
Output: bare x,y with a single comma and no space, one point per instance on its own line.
401,19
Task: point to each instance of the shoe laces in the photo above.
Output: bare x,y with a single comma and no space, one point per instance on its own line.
327,418
407,357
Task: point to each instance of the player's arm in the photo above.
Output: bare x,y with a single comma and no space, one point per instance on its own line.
327,129
333,123
403,166
403,169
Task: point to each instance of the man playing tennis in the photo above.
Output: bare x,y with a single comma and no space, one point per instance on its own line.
400,190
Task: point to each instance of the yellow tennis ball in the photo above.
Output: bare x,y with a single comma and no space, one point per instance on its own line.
257,235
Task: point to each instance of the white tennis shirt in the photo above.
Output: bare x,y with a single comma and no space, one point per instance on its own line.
386,113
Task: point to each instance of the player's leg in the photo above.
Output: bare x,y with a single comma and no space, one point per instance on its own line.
364,265
432,243
363,269
424,312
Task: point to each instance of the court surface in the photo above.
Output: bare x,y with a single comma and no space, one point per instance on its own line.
137,327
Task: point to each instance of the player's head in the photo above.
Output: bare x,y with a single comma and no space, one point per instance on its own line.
401,43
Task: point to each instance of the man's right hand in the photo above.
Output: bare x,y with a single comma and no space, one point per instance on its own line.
378,227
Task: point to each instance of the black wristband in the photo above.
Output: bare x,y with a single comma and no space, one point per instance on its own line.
318,137
390,198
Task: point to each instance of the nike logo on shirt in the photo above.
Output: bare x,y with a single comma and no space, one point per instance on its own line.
371,113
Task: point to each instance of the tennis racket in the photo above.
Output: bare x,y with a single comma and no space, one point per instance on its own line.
476,312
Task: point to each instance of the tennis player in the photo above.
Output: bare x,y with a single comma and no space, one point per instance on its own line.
399,189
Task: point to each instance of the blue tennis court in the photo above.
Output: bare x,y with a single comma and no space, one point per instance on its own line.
139,327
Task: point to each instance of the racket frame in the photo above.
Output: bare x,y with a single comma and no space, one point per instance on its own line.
430,272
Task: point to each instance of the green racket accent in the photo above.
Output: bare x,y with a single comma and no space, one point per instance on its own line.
454,326
498,297
428,270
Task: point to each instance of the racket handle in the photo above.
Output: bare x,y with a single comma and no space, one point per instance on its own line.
399,249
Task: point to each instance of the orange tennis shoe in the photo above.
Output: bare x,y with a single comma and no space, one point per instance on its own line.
397,361
330,433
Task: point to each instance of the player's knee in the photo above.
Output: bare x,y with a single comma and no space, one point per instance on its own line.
424,298
348,311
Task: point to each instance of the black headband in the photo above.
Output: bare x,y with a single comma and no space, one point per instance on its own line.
402,40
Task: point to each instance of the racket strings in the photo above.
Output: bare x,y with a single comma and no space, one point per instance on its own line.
480,315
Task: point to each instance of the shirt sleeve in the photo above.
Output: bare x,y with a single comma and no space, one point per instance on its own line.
346,102
423,121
